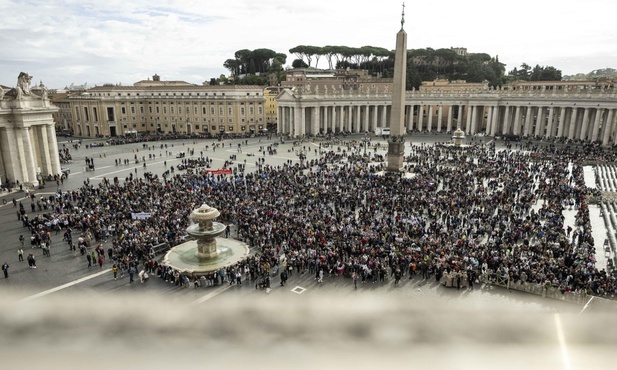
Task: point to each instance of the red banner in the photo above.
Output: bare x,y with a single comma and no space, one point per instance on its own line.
220,172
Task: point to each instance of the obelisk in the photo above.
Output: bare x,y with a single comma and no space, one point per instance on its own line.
396,142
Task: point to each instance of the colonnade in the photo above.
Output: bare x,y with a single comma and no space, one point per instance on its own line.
592,117
28,151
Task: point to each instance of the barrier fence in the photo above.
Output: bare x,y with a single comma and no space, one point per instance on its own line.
547,291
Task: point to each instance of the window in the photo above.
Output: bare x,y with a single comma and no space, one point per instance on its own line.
123,110
251,111
260,110
95,114
195,110
213,128
110,114
86,115
212,111
132,110
221,112
171,109
230,111
141,110
242,111
231,128
203,110
150,110
179,110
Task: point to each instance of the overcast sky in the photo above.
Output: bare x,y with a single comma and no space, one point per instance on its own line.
122,41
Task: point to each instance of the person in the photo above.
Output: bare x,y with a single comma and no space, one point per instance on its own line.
31,261
89,258
114,269
283,277
20,253
131,274
354,277
5,269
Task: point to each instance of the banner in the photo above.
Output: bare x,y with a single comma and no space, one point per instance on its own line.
140,216
220,172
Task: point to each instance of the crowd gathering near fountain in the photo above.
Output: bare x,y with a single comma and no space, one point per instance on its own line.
466,215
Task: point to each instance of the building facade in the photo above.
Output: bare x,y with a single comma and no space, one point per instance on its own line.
28,146
578,111
271,117
154,106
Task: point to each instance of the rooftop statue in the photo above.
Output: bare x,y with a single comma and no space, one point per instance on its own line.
23,85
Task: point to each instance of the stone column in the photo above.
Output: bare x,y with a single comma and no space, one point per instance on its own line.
279,119
528,117
374,125
572,128
40,132
539,121
384,116
449,120
367,111
489,121
498,128
474,119
24,147
302,123
517,121
429,121
549,129
357,121
507,121
14,167
596,124
410,118
348,114
562,121
468,124
439,117
608,127
585,126
420,117
53,148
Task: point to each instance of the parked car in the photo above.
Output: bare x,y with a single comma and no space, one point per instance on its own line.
65,170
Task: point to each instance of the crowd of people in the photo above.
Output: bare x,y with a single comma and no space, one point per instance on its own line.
463,214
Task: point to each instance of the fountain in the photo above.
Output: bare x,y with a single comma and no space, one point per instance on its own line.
205,253
458,136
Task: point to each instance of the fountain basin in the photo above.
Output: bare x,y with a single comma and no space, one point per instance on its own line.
184,258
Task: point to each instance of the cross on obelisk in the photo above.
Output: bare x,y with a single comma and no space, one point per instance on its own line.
396,142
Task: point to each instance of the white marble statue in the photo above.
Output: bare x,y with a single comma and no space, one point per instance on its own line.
23,85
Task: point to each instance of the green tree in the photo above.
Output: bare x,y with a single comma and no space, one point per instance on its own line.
299,63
